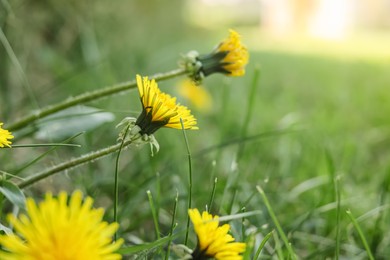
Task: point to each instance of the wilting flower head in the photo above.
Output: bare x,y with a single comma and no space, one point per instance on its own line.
229,57
5,136
214,240
58,230
197,95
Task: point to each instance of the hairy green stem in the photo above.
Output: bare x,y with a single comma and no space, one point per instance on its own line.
72,163
116,184
86,97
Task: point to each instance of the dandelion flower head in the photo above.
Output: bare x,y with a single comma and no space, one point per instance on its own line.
236,56
160,109
58,230
5,137
214,240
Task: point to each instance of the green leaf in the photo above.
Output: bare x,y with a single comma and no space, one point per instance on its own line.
66,123
13,193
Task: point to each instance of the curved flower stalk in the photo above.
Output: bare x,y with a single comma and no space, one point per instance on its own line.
214,240
57,230
158,110
230,57
87,97
5,137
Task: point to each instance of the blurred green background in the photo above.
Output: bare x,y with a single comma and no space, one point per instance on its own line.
320,110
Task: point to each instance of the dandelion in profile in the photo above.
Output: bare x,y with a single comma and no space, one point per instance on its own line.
197,95
230,57
158,110
214,240
5,137
58,230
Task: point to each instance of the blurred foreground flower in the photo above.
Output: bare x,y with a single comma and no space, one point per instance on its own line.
197,95
158,110
229,57
213,240
5,136
54,230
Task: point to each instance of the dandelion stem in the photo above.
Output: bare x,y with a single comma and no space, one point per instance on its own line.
189,181
116,192
86,97
72,163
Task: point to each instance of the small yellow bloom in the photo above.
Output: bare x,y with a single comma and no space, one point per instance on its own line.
197,95
56,230
160,109
214,240
230,57
5,136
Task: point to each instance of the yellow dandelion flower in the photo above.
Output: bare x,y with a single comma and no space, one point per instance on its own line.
214,240
236,57
5,136
197,95
160,109
230,57
56,230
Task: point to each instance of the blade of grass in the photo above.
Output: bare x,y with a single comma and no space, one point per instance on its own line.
249,111
276,222
153,208
211,201
146,246
239,215
240,140
262,244
243,210
361,234
158,194
172,226
278,246
338,215
47,152
381,222
232,200
18,67
249,247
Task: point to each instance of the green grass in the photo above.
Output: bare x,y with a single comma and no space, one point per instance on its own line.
313,116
